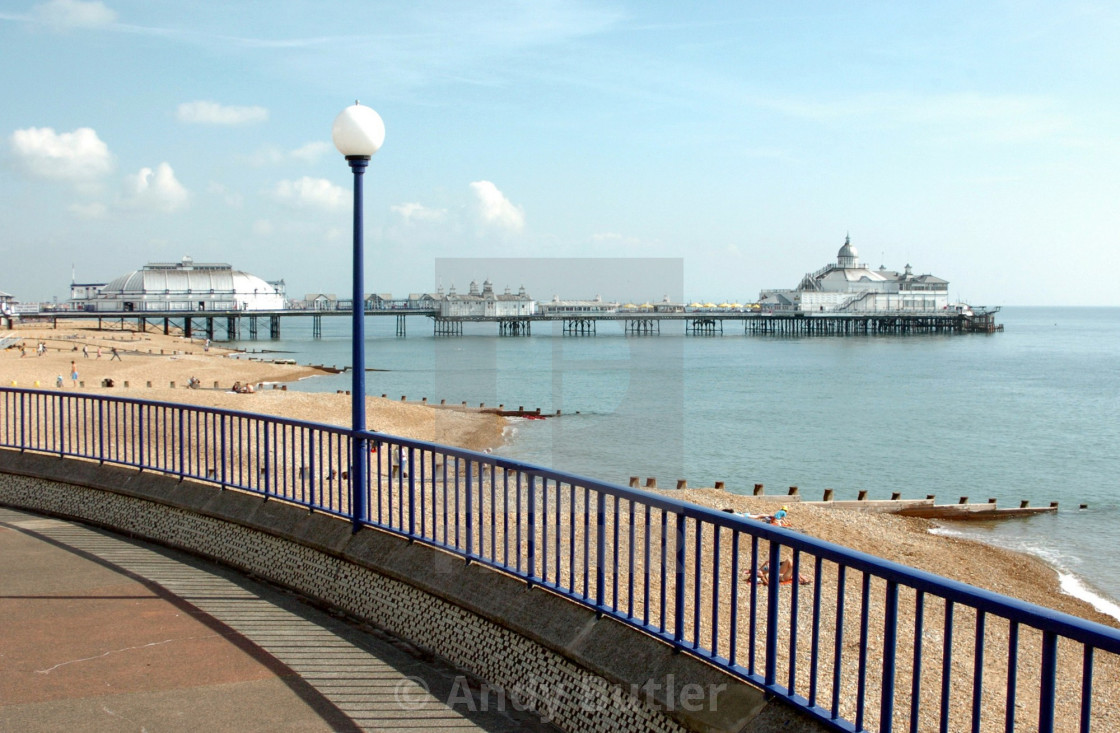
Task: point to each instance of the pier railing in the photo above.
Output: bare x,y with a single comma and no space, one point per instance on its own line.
857,642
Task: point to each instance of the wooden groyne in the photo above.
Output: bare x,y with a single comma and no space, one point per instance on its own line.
926,508
533,413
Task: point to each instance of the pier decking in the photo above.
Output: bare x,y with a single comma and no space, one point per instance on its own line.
236,325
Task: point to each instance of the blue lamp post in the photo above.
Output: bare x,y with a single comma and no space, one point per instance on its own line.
358,133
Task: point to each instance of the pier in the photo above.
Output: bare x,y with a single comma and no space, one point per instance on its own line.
236,325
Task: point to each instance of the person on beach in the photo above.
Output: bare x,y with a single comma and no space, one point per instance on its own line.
785,573
85,351
74,373
58,381
98,352
115,355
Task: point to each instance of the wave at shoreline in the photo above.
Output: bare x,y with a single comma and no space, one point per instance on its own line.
1070,582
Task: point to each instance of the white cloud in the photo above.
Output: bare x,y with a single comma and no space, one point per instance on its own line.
311,152
312,192
233,199
263,228
615,239
78,156
987,117
495,210
67,14
212,113
414,213
89,211
156,190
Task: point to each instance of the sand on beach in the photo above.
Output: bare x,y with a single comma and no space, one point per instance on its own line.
150,362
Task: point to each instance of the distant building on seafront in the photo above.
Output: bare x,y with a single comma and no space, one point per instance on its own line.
181,286
849,286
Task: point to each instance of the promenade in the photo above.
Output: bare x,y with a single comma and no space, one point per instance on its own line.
103,633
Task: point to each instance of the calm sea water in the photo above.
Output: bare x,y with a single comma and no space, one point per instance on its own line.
1030,413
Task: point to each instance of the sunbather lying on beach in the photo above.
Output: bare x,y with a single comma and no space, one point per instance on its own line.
785,573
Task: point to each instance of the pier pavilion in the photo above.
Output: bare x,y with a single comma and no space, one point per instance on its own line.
180,286
850,286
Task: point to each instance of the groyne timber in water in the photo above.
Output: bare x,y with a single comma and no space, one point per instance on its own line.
925,508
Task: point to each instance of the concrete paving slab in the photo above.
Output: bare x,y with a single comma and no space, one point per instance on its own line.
103,633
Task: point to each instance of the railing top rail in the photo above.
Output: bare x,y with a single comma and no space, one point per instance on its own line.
179,405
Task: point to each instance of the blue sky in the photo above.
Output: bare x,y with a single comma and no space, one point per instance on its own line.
977,141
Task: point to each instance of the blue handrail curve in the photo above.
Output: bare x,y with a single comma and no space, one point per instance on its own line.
864,644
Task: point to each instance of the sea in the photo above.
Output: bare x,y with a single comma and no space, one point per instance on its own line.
1029,413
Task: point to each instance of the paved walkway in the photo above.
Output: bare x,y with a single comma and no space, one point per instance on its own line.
103,633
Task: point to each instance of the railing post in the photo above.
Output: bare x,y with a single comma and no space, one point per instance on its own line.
311,469
601,550
60,426
531,529
265,461
101,431
141,453
180,442
359,509
222,449
890,644
468,500
23,421
412,493
773,586
679,579
1048,676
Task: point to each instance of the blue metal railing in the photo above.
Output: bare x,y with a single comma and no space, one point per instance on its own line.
862,644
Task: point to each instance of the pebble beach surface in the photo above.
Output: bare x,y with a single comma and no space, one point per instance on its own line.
150,362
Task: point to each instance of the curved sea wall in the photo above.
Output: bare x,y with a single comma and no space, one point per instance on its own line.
578,671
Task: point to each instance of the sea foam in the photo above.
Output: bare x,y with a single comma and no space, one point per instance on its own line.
1069,582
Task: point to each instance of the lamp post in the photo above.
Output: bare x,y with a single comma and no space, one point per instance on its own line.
358,133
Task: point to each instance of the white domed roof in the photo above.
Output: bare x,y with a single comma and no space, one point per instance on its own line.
847,256
202,281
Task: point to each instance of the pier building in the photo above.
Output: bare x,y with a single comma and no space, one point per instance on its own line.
181,286
850,286
577,305
483,303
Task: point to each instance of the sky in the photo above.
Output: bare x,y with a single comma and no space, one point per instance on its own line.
978,141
